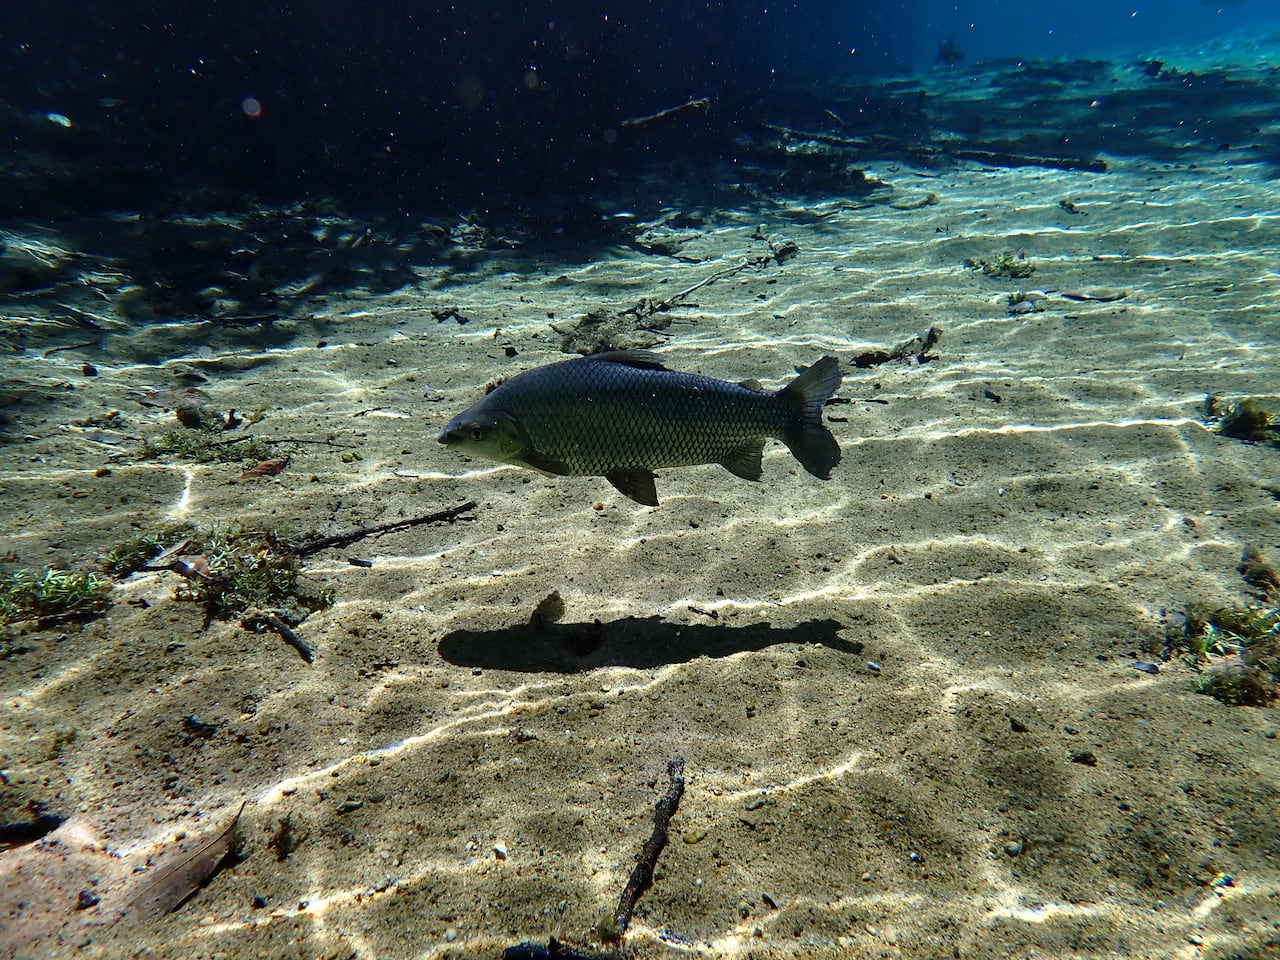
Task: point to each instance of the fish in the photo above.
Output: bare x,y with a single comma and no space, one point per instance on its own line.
622,415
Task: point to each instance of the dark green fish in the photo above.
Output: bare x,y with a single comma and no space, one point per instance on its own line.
623,415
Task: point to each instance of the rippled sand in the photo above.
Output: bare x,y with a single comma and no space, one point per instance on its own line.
878,683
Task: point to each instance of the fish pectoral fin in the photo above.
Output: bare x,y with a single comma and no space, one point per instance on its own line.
745,461
545,464
636,484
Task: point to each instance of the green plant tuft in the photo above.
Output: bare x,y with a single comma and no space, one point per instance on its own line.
132,555
203,445
53,596
1244,419
1235,651
248,569
1012,266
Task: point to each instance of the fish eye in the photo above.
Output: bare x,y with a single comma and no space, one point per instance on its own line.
477,432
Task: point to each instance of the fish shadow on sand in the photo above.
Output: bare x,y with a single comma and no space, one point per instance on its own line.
628,642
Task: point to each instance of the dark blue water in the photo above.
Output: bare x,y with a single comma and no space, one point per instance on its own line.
876,37
486,102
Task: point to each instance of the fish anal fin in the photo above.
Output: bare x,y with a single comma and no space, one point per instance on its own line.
635,483
745,461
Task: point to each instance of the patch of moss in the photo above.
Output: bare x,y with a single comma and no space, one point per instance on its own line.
203,445
1244,419
247,569
54,596
132,555
1236,651
1013,266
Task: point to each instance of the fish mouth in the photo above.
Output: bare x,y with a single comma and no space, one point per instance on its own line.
448,435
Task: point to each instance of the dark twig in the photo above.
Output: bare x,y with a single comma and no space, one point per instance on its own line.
664,116
781,253
361,533
271,441
70,346
642,874
259,620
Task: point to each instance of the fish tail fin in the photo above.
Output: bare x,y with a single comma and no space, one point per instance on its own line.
806,437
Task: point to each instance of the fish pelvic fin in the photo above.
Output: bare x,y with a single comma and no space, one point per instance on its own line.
635,483
806,436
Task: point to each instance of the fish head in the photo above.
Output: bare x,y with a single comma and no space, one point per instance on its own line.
484,430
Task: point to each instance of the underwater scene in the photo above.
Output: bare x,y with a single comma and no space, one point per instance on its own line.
723,480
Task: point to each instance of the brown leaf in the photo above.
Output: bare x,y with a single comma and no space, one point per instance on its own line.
267,468
180,871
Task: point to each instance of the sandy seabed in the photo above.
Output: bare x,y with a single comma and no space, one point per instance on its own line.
905,698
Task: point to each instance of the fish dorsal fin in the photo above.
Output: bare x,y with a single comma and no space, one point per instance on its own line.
644,359
755,385
745,461
635,483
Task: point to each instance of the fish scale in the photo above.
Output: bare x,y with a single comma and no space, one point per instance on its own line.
621,415
595,417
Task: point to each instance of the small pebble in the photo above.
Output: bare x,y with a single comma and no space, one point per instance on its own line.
873,666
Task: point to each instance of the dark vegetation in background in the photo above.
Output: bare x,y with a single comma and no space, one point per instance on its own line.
488,102
497,105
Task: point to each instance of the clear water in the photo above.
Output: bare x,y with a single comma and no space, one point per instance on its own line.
942,704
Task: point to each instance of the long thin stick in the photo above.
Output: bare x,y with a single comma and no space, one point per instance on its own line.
361,533
642,874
